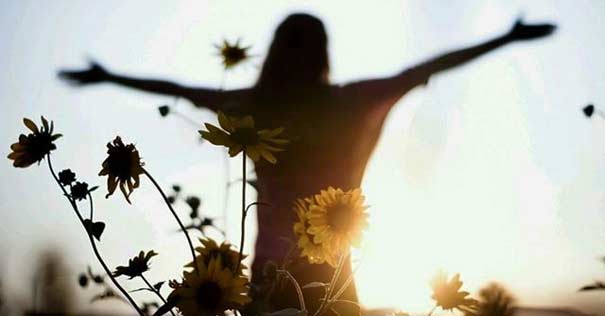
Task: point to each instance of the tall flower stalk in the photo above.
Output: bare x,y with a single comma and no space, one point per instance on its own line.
92,241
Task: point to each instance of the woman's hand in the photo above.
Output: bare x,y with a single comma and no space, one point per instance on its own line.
521,31
94,74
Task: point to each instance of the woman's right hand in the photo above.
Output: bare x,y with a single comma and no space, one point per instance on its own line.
94,74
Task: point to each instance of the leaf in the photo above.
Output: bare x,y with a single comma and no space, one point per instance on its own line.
287,312
93,188
166,307
598,285
141,289
253,183
314,285
96,229
158,285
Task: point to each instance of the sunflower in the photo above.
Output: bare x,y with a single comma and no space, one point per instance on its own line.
316,253
136,266
447,294
211,250
32,148
336,218
122,166
232,54
210,291
239,134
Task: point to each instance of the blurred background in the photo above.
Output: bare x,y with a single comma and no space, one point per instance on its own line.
491,170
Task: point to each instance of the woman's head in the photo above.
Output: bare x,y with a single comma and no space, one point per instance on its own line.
298,53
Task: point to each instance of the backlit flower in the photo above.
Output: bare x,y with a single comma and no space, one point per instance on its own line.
33,147
232,54
211,250
316,253
336,218
448,295
239,134
136,266
209,290
79,191
122,166
67,177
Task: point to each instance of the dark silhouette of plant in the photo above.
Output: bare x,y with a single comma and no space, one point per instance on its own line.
494,300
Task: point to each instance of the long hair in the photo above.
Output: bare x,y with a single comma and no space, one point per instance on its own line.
298,54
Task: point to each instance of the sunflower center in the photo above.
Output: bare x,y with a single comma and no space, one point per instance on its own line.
245,136
209,295
41,144
339,217
234,54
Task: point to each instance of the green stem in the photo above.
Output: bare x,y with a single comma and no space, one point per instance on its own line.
243,223
175,217
91,206
301,299
332,284
92,242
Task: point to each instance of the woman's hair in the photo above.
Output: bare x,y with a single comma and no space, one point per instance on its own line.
298,54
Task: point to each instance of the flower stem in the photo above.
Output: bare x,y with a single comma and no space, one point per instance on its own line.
432,310
175,217
332,284
301,299
91,206
154,290
243,223
92,242
227,187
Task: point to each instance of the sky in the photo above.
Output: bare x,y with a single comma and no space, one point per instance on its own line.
491,170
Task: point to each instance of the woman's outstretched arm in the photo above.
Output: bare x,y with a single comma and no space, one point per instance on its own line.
209,98
388,90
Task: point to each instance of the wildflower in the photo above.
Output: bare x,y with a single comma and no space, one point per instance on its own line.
136,266
210,291
79,191
211,250
447,294
32,148
232,54
316,253
67,177
495,301
122,166
239,134
337,218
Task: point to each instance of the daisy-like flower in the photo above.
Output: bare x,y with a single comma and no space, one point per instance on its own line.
448,296
212,250
122,166
32,148
232,54
209,290
136,266
316,253
336,218
239,134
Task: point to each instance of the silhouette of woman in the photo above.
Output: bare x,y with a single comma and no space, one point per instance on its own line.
333,128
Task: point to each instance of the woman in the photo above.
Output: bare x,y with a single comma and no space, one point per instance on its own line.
333,129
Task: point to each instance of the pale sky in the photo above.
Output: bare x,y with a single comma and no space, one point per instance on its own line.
491,170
